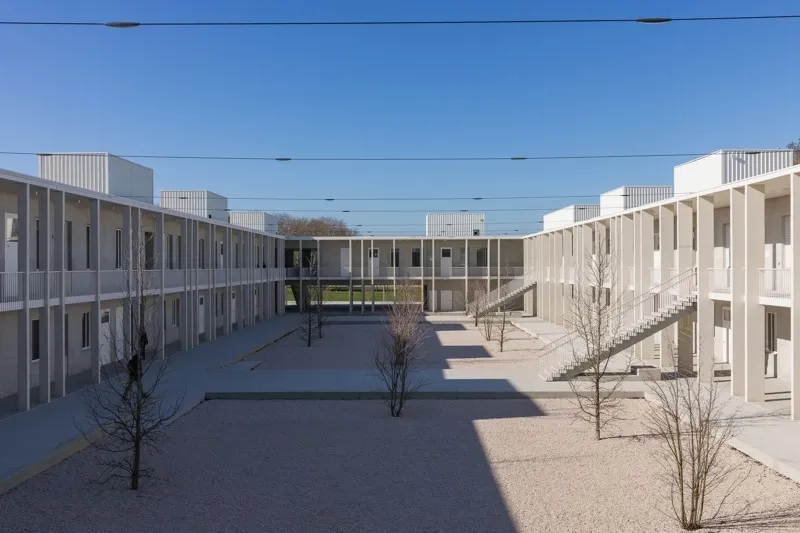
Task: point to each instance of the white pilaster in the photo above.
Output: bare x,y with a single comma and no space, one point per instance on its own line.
705,305
59,352
794,362
754,312
95,312
45,326
666,239
684,214
24,315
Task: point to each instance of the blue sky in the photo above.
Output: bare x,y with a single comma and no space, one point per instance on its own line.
398,91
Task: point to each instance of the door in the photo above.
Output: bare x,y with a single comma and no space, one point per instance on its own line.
201,316
446,300
726,334
119,336
35,340
344,261
105,337
233,307
446,263
10,287
374,262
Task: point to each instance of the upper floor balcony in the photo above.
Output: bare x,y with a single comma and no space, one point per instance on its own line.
82,285
774,285
413,272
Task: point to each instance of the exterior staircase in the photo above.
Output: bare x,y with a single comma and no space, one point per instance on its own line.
504,293
633,321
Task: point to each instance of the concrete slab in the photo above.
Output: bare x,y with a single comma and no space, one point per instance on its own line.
539,329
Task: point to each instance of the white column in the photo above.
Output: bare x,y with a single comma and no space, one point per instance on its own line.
666,236
794,363
301,297
736,347
754,312
422,271
433,274
59,352
558,263
24,315
95,312
350,268
396,265
161,262
210,263
361,271
227,264
45,327
128,225
684,217
626,251
488,265
705,305
566,249
372,273
183,261
466,273
544,302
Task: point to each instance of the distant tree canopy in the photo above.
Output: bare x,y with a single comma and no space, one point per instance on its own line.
795,145
292,226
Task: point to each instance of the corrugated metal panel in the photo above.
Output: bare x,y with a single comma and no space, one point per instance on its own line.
130,180
743,164
217,206
199,203
255,220
586,211
454,224
85,170
647,194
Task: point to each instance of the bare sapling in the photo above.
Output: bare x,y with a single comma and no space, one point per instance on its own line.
594,316
308,318
687,417
488,320
476,289
399,348
319,295
127,407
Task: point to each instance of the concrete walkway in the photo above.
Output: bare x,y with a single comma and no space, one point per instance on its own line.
34,440
538,328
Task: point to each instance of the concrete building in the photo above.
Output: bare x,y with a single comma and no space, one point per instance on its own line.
455,224
711,267
64,273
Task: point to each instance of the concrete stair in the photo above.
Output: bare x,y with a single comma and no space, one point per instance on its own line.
505,293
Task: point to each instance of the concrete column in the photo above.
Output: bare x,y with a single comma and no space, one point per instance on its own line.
24,315
684,216
466,273
95,311
627,239
794,363
45,327
228,264
396,266
183,319
372,274
488,265
705,305
754,313
128,224
301,297
59,352
646,271
666,236
361,271
210,262
558,262
567,249
350,277
433,274
544,305
161,262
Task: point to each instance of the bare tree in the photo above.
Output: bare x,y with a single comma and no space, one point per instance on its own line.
487,322
594,316
308,319
687,417
475,288
127,406
398,350
318,294
293,226
503,323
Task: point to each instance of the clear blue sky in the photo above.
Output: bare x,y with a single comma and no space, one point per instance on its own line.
398,91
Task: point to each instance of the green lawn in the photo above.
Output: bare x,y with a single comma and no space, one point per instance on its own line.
382,294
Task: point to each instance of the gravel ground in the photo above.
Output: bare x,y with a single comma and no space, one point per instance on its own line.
350,346
308,466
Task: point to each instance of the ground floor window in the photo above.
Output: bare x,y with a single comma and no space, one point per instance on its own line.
85,321
35,340
771,340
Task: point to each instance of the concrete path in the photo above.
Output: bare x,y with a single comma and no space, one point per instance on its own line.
539,329
35,440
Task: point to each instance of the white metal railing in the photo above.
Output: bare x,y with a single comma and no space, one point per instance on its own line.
219,276
79,283
293,272
655,277
55,284
503,291
719,280
113,281
10,283
620,320
173,278
36,285
775,282
412,272
203,277
458,272
478,272
631,281
236,275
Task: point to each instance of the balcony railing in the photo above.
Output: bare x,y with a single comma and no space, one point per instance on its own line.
458,272
719,280
569,275
55,284
173,279
655,277
293,272
113,281
203,277
478,272
219,276
236,275
79,283
775,282
631,279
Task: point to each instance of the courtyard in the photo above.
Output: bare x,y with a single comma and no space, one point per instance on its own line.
504,466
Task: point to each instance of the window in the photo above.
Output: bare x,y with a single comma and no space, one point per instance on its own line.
608,241
236,255
608,297
85,330
463,256
176,312
476,232
118,249
66,335
415,257
594,248
201,251
656,235
446,253
396,257
180,253
772,334
164,317
170,252
216,305
35,340
88,247
483,257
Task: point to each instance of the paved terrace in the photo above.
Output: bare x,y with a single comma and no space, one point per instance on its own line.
265,362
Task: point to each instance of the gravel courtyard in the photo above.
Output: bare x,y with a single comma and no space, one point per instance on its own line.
497,466
446,345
